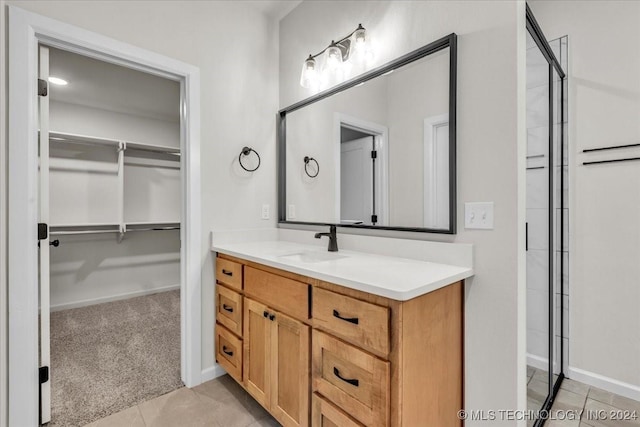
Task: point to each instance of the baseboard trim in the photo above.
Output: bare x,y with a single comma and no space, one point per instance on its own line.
110,298
538,362
211,373
609,384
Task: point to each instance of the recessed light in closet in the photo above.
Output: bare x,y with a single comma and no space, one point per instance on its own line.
57,81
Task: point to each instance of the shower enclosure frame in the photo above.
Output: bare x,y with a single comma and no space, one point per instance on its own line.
538,36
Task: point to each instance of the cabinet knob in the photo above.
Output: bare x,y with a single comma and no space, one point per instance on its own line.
265,314
272,316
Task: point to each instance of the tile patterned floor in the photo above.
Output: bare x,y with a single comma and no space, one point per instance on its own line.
223,403
594,405
217,403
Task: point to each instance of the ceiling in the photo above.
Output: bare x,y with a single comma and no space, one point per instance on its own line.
112,87
276,9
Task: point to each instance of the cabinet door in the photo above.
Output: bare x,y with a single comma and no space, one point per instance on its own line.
290,371
257,349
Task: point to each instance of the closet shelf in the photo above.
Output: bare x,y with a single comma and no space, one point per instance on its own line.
86,139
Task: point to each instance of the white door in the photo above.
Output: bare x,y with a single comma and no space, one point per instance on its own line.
356,181
45,347
436,172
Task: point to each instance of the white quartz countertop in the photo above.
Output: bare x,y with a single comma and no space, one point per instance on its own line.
397,278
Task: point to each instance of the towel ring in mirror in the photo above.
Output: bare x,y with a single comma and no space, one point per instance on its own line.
245,152
308,159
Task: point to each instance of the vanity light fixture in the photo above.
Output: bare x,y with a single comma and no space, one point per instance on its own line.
337,54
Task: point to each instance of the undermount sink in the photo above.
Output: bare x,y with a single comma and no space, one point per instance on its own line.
312,257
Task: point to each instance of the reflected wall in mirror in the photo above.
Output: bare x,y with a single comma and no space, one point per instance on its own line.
385,147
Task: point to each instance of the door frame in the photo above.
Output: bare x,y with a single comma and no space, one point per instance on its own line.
381,140
26,30
429,150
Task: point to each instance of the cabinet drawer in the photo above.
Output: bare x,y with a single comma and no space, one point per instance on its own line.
229,309
355,381
229,273
229,352
286,295
324,414
359,322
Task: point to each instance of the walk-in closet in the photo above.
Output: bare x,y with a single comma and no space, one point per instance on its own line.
110,193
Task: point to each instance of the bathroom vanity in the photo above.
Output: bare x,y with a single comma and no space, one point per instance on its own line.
341,338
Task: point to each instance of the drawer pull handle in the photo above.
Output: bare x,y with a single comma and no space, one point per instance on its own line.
227,272
353,320
353,382
227,308
227,352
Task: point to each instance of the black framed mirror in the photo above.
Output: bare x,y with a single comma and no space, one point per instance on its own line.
383,148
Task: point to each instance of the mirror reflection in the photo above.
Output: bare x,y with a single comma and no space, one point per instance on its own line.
379,150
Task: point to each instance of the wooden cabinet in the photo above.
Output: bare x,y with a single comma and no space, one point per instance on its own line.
356,381
315,352
324,414
257,351
360,322
290,364
229,309
229,273
229,352
277,363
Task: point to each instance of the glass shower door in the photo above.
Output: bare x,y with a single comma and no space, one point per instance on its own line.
547,244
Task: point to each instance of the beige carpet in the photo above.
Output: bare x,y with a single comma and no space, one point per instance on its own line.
108,357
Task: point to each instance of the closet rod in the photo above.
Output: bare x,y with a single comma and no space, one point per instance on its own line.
72,232
154,229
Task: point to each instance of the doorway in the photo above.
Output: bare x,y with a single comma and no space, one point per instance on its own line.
362,190
110,180
27,31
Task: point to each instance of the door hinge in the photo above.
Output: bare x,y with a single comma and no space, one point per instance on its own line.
374,154
43,231
43,88
374,218
44,374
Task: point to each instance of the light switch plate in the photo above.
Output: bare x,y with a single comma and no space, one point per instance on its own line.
265,211
478,215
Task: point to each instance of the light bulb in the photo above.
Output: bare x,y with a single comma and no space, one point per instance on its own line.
334,56
309,75
360,37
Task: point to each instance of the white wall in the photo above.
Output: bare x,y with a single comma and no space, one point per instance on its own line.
604,107
491,144
84,120
235,47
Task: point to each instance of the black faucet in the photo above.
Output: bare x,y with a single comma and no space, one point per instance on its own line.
333,239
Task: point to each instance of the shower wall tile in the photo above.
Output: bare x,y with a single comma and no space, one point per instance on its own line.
538,106
538,188
538,220
537,270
